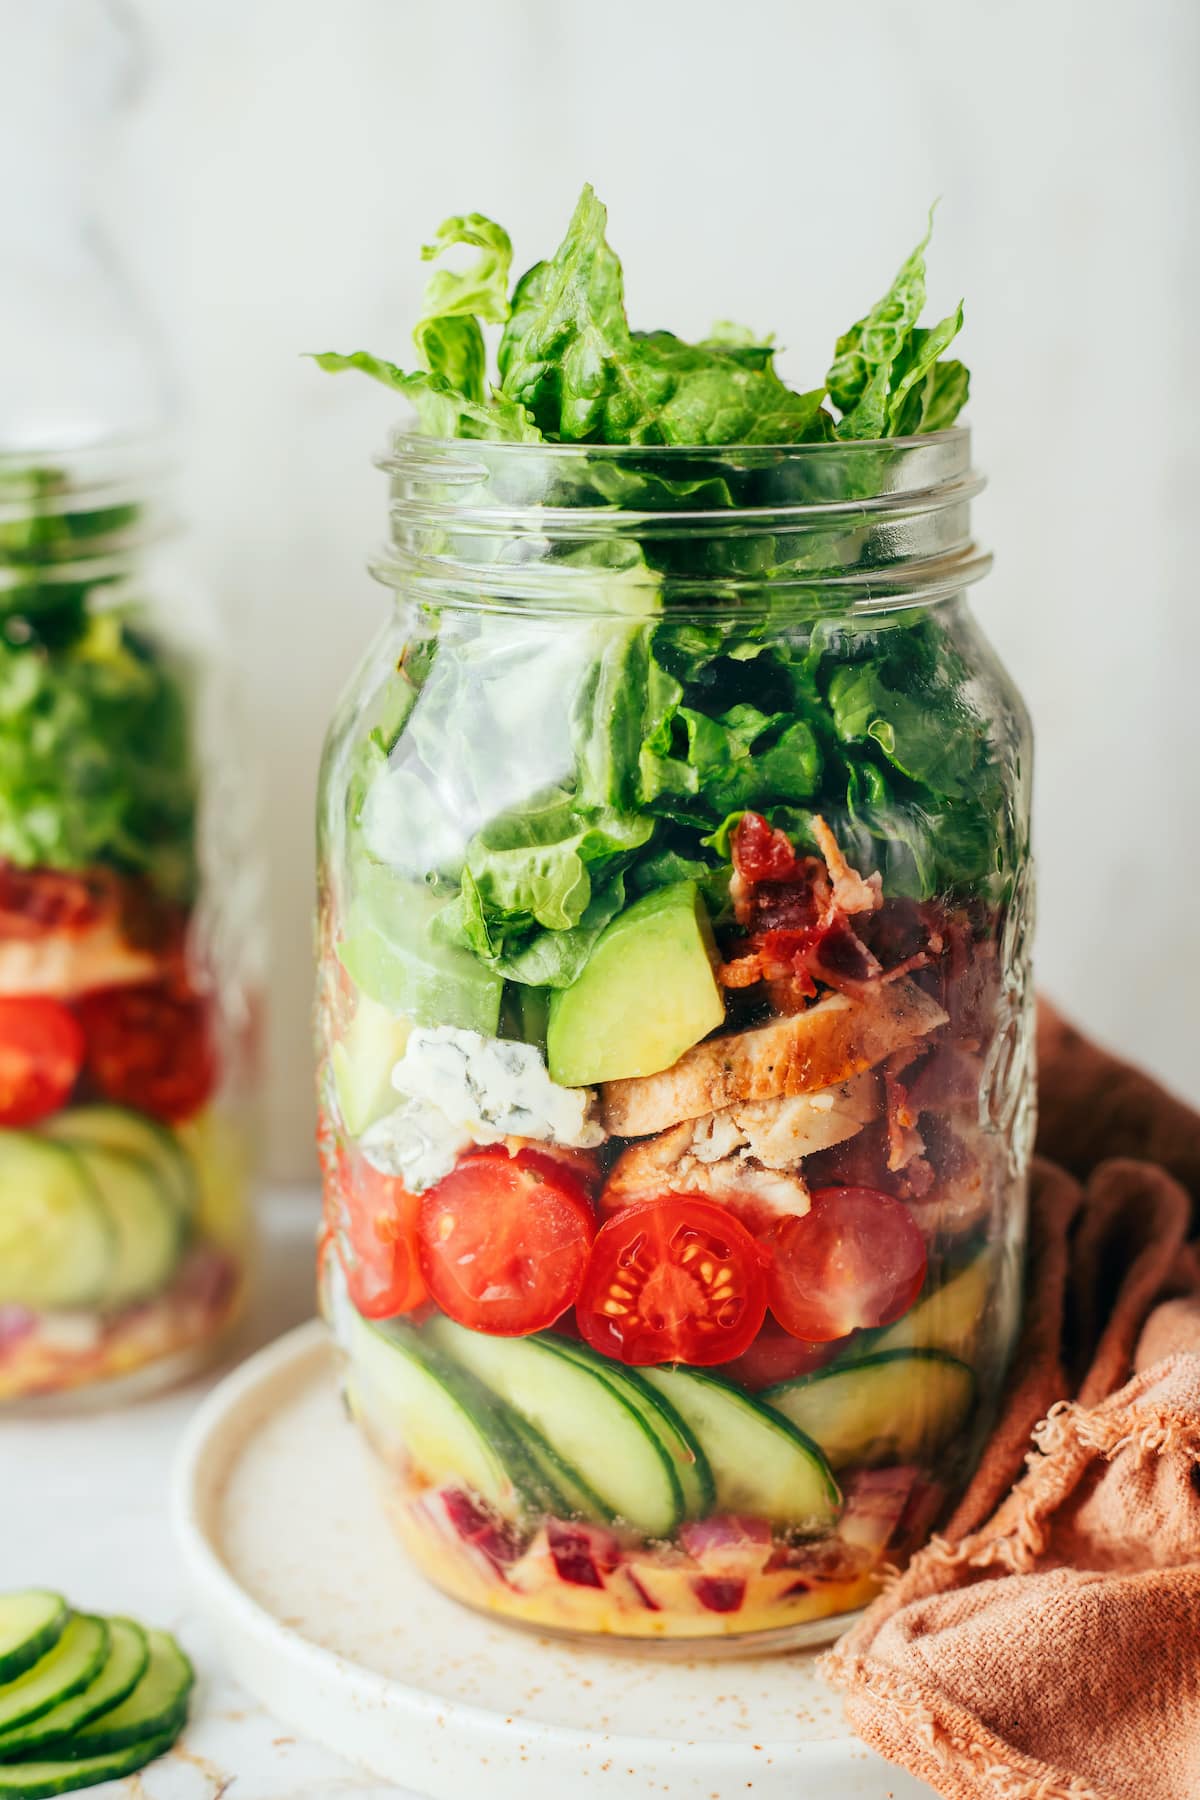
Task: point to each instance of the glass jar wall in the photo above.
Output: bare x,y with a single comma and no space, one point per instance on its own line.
673,1022
126,947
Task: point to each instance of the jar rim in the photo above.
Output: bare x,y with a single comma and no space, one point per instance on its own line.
867,523
81,514
405,439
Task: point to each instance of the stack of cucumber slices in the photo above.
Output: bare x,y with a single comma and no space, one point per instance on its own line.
83,1699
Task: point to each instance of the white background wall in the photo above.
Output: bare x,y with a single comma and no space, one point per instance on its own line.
770,162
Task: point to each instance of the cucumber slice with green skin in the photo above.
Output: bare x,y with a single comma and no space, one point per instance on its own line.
901,1406
128,1655
763,1464
39,1780
591,1423
149,1232
57,1243
439,1416
157,1705
946,1318
117,1128
65,1669
30,1624
665,1420
567,1495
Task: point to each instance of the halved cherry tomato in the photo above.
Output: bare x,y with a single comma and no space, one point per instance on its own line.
585,1165
775,1355
149,1047
504,1240
378,1240
856,1259
41,1054
673,1280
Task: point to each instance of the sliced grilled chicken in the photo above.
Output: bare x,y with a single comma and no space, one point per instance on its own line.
822,1047
667,1164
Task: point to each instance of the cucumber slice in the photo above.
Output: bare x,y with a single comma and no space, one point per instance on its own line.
128,1654
57,1243
149,1231
64,1670
157,1705
567,1495
946,1318
763,1464
30,1624
900,1406
664,1420
589,1420
438,1415
117,1128
38,1780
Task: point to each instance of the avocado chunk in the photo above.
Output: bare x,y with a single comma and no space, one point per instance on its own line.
390,953
363,1061
646,994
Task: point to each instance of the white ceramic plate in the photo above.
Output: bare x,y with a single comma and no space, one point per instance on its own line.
322,1617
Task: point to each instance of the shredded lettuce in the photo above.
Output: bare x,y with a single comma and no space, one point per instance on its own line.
572,370
95,755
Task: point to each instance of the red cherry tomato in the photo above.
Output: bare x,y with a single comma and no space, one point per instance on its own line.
377,1242
584,1165
856,1259
775,1355
504,1240
673,1280
41,1054
149,1047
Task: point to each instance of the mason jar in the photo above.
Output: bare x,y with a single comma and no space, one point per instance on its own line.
127,983
674,1027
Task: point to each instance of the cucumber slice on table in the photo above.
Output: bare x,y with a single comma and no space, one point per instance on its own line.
762,1463
65,1669
900,1406
149,1231
672,1429
38,1780
30,1624
117,1128
57,1242
118,1675
442,1418
157,1705
593,1423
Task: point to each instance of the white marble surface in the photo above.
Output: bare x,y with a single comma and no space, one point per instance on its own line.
83,1508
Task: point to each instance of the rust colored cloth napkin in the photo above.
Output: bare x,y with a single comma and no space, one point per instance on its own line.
1047,1645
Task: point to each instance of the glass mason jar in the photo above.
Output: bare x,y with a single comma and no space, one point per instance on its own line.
126,954
674,1027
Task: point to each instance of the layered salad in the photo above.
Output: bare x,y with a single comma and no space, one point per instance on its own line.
671,1122
120,1190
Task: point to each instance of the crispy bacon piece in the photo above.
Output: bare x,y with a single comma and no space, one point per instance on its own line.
34,902
796,912
905,1142
851,893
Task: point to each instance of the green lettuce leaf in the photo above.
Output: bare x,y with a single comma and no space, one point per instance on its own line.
96,757
936,745
569,357
882,376
442,409
449,335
